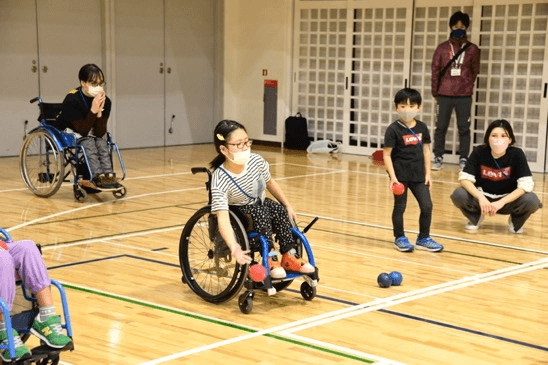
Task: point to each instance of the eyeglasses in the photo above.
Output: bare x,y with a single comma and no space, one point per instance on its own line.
241,144
95,84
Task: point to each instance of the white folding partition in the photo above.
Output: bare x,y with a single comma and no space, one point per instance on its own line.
351,57
514,73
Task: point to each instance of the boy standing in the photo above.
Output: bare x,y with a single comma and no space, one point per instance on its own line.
407,160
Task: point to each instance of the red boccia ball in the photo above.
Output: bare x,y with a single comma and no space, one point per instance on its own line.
398,188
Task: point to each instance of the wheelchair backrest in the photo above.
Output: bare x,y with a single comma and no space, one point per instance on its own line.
49,112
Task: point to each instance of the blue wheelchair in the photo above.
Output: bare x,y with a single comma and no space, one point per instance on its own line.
48,157
209,269
21,319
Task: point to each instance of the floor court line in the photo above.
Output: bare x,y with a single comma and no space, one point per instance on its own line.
366,307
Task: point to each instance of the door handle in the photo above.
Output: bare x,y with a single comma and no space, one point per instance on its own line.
169,70
161,70
45,69
34,69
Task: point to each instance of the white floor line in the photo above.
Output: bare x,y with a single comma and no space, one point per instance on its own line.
416,232
426,292
379,360
336,315
37,220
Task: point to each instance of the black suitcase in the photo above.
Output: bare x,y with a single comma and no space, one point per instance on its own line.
296,132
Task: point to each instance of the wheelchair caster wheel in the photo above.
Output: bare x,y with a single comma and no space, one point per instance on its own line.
79,193
120,193
51,360
307,291
245,302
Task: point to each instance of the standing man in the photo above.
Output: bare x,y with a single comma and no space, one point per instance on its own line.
455,66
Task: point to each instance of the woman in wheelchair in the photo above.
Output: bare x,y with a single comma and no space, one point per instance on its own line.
24,257
85,113
240,178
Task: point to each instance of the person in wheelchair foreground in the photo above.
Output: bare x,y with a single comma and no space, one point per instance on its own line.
85,113
240,178
24,257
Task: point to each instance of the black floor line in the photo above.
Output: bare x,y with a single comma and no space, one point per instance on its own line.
340,301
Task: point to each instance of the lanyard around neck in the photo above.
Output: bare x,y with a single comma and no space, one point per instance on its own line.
235,183
412,131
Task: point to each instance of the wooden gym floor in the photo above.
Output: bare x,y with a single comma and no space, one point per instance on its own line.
481,301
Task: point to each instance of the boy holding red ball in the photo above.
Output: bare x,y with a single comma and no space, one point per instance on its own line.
407,161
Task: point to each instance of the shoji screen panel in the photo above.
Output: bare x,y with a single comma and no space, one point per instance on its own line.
514,73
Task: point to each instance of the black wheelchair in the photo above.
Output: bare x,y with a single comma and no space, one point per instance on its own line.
47,152
24,311
210,270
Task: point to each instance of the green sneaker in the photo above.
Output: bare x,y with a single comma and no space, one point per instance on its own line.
50,331
21,351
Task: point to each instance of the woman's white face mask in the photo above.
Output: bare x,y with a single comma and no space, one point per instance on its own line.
93,91
499,144
241,157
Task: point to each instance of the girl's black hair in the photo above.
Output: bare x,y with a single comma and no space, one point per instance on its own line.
499,123
459,16
91,73
221,134
412,95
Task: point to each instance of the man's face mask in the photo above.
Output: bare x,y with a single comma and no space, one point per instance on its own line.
458,33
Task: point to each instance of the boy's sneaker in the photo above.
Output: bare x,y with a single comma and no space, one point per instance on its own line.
21,351
462,163
276,270
438,162
291,261
50,331
402,244
511,226
429,244
474,227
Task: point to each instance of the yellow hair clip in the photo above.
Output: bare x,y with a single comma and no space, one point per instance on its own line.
220,137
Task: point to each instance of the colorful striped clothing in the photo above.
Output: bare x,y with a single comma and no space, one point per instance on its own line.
252,181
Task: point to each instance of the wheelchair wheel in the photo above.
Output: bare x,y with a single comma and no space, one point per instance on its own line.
41,164
206,262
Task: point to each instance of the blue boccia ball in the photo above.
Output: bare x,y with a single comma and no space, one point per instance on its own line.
396,278
384,280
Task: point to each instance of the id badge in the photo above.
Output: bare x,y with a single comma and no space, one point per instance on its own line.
455,72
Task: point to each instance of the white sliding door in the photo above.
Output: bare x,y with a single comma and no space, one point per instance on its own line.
514,73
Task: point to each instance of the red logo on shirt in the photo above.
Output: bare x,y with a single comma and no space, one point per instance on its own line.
3,245
410,139
490,173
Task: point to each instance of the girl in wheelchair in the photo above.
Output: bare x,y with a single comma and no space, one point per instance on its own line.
25,257
240,178
85,113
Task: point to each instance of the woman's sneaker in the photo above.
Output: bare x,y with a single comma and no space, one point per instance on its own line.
276,270
474,227
437,164
291,261
50,331
21,351
429,244
402,244
511,227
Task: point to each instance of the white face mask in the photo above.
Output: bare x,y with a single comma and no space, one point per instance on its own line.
241,157
94,90
407,115
499,145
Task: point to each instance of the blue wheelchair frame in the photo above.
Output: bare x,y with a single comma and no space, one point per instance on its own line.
68,145
22,321
256,243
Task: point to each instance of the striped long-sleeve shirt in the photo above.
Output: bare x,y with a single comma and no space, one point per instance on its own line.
225,191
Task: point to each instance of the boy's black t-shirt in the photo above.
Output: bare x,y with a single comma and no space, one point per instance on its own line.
407,152
498,179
